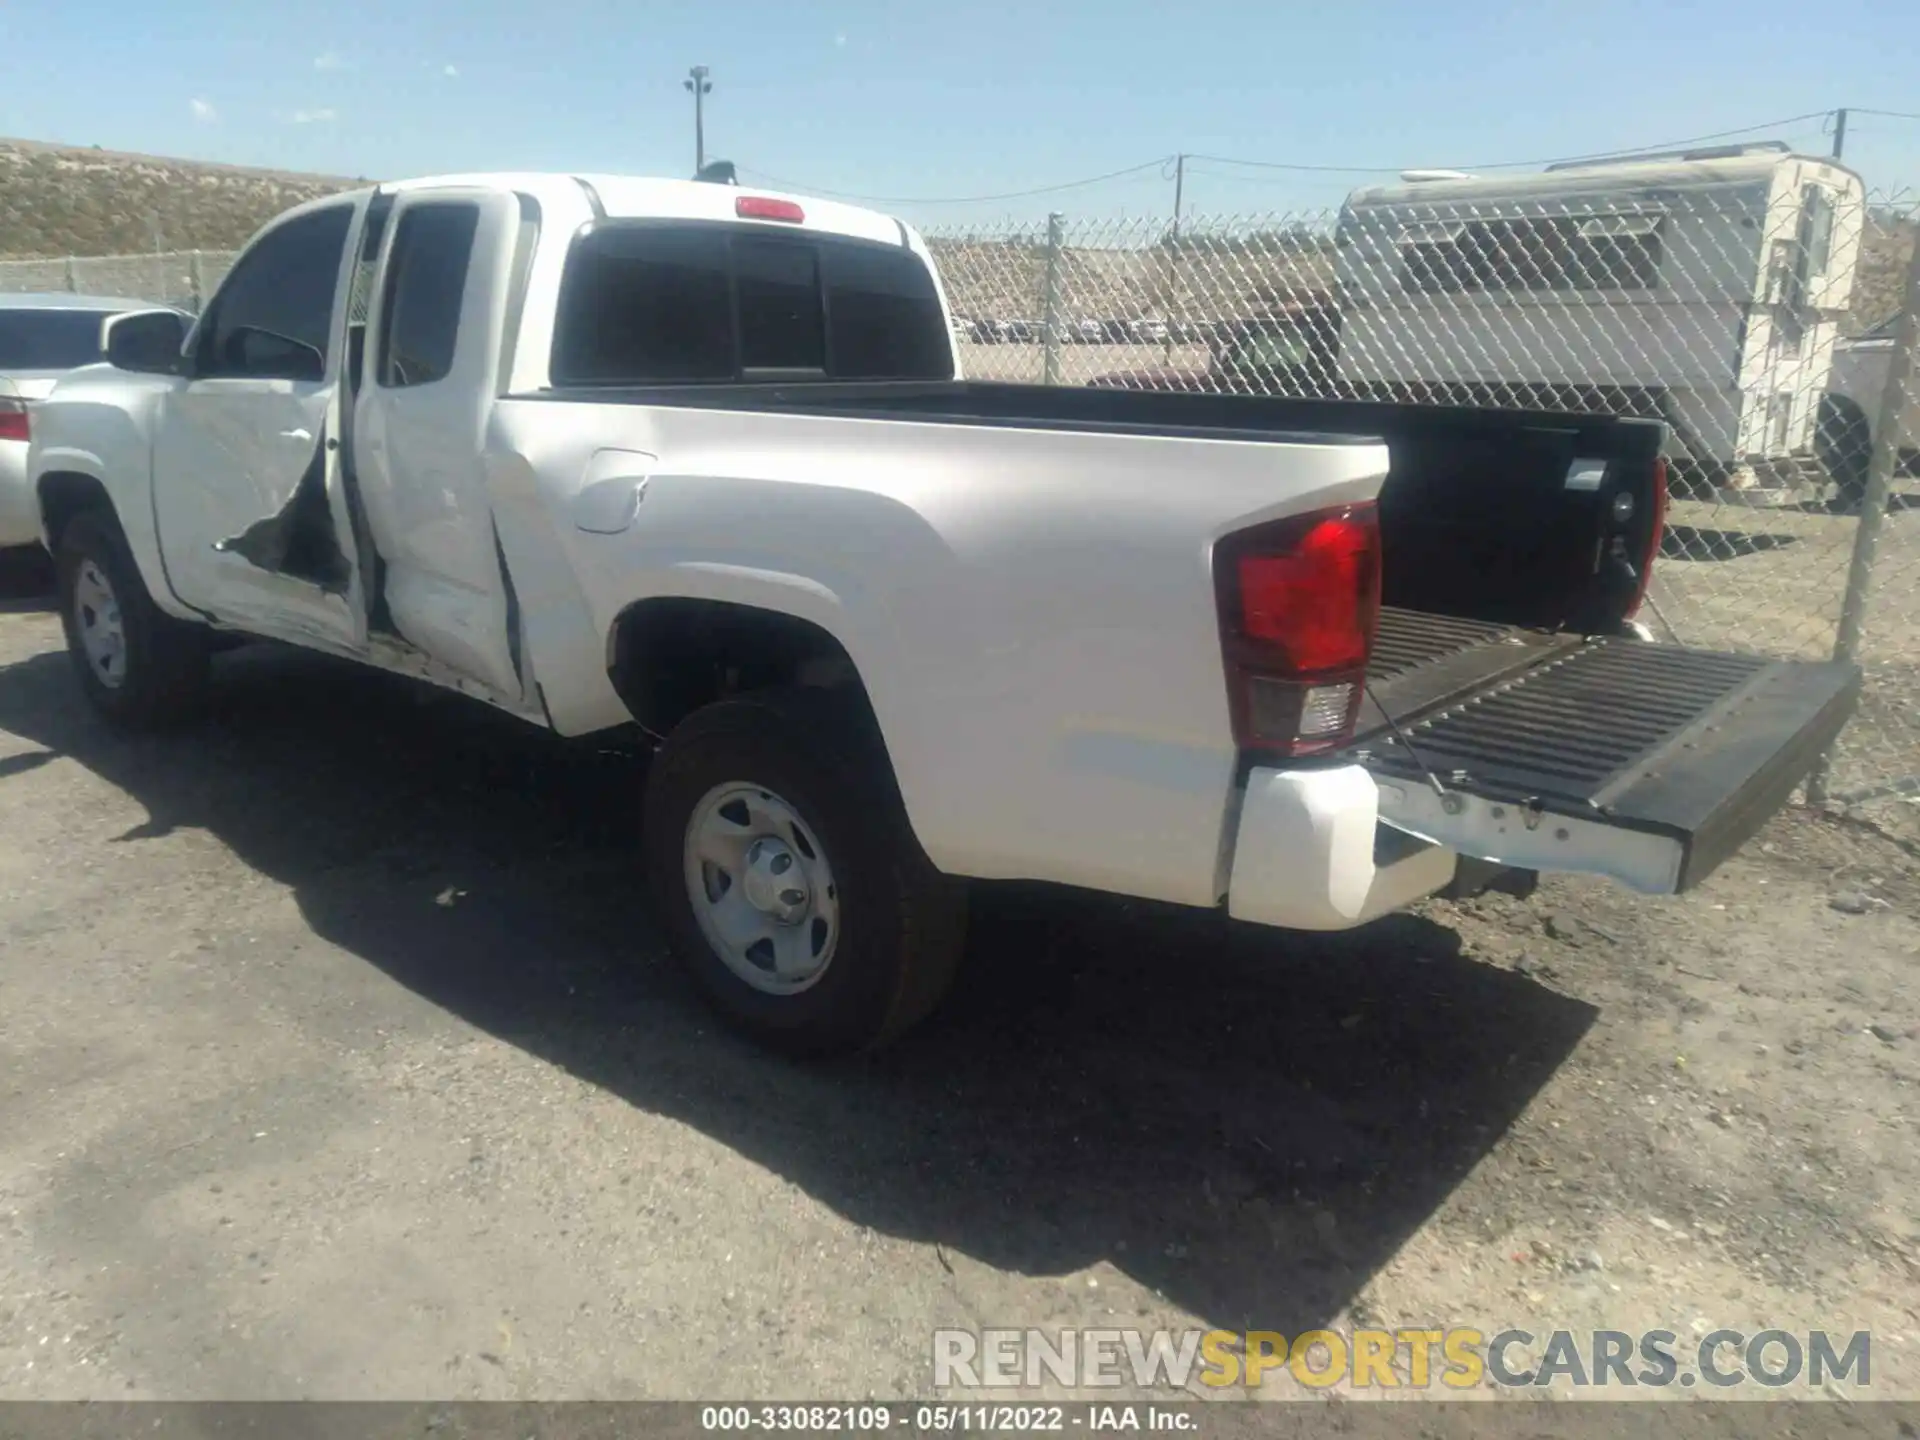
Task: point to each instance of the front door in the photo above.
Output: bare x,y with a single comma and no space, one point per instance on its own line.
251,515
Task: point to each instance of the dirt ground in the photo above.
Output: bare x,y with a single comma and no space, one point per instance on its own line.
1773,580
337,1059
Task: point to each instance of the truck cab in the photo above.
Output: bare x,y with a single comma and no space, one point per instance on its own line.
315,448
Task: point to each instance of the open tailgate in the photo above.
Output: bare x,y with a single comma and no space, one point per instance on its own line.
1647,763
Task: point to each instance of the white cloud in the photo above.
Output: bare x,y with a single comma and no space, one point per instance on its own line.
328,60
450,71
840,42
203,110
312,117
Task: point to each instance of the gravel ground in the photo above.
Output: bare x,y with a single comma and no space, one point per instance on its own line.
337,1060
1774,581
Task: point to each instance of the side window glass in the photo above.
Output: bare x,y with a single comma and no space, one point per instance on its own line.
426,281
274,316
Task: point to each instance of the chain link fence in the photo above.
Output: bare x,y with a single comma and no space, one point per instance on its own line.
1762,308
1758,314
182,278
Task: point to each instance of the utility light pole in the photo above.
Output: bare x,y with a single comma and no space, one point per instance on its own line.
701,86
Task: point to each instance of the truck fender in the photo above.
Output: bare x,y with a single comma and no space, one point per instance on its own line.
67,479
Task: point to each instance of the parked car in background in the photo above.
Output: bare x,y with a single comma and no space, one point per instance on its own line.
42,338
1287,352
1850,413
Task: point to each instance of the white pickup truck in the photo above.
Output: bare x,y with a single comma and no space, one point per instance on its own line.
611,452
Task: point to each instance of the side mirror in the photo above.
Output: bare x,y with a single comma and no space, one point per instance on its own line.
146,341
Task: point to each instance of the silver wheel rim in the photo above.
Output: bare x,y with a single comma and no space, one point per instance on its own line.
103,639
761,888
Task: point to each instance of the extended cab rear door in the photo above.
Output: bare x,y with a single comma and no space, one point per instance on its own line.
435,332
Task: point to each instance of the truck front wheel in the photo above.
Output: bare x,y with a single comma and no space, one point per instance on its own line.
137,665
789,881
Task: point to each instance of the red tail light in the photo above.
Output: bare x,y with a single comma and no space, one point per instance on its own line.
1656,531
762,207
1299,605
13,420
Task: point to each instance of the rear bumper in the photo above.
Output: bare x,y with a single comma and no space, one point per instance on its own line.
19,514
1310,853
1334,849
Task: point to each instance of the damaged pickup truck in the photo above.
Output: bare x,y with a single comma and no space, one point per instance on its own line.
610,452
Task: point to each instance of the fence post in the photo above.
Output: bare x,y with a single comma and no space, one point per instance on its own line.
1873,505
193,280
1050,317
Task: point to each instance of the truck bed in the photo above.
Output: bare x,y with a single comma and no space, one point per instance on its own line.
1506,515
1593,727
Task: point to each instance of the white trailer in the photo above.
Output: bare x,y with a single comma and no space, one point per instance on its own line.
1702,288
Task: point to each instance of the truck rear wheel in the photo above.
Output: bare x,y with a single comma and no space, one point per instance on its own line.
790,883
137,665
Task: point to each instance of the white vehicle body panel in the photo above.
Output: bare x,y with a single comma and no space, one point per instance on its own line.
1032,611
1304,855
19,511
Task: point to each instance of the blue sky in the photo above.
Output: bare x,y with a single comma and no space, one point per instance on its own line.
934,103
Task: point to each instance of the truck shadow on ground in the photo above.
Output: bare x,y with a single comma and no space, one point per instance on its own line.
1251,1124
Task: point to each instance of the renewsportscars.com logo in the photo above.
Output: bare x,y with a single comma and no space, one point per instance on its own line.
1456,1358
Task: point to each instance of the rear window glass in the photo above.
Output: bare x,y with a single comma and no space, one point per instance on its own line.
651,304
886,316
660,304
49,339
781,324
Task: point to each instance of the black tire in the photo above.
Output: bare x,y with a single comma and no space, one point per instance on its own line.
900,923
26,572
163,667
1844,444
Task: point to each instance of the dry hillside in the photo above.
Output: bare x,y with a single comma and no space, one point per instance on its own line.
58,200
1207,277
